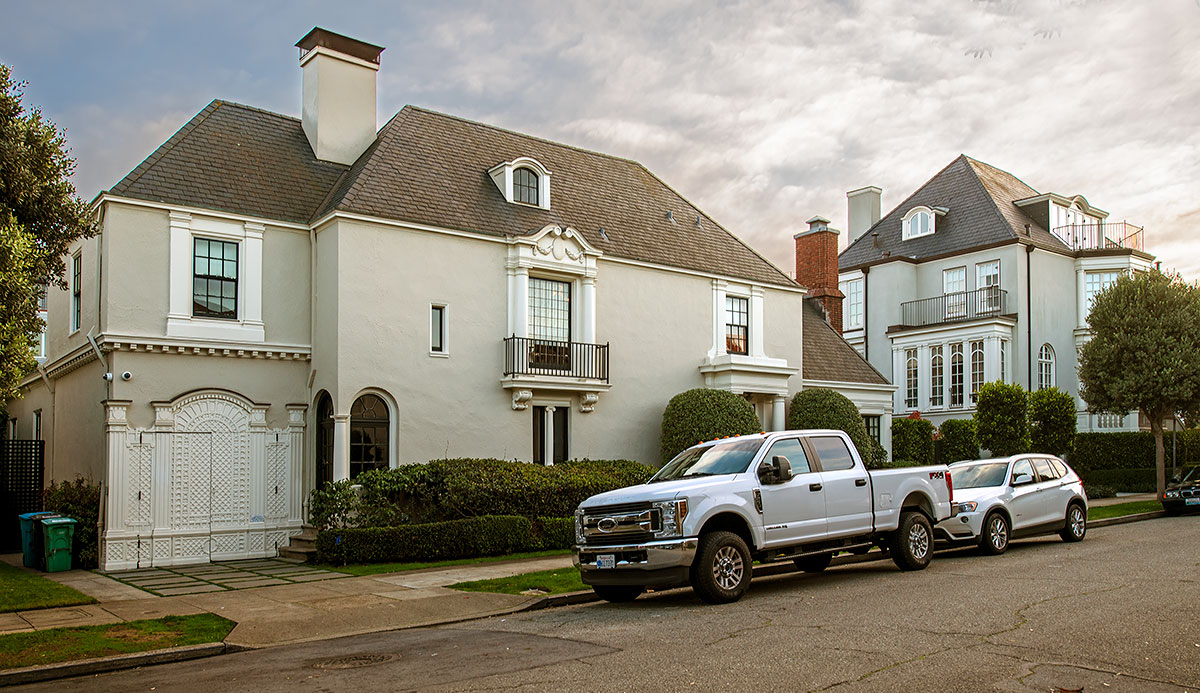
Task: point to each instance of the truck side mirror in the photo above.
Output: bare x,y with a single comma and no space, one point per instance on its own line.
1022,479
766,473
783,468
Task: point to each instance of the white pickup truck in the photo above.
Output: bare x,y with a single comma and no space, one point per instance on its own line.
717,507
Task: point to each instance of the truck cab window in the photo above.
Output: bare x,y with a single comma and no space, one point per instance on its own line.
833,453
794,452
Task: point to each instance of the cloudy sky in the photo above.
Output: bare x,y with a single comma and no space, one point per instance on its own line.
763,114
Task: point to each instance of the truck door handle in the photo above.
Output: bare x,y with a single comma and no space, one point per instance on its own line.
860,482
814,487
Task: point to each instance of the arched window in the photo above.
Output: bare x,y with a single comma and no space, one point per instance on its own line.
369,424
324,439
918,222
910,380
525,186
936,388
1045,367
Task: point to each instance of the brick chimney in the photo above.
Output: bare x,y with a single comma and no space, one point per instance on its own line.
817,268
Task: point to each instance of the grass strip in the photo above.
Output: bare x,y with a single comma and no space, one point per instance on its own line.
55,645
1121,509
558,581
21,590
377,568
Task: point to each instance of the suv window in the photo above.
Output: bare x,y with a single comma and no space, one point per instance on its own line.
1045,470
1059,467
833,453
794,452
1022,467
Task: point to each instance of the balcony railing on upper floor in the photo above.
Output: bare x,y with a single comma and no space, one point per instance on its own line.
531,356
1102,236
989,301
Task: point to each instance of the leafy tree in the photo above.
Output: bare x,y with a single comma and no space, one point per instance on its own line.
1144,353
956,441
1002,419
702,414
1051,421
40,216
819,407
912,440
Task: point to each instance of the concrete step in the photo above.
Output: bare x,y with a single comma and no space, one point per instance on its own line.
303,554
302,547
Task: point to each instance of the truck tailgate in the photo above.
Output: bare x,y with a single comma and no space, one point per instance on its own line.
891,487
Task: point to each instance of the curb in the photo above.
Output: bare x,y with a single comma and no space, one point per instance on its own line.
45,672
1125,519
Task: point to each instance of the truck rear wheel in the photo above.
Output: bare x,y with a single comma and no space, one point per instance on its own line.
813,564
911,545
618,593
721,572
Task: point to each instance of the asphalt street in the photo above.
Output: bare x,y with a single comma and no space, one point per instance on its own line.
1118,612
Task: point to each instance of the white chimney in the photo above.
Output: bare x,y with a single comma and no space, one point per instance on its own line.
862,211
339,94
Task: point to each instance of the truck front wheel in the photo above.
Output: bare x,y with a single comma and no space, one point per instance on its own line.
618,593
721,572
911,545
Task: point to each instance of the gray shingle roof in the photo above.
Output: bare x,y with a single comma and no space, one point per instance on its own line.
829,357
430,168
981,213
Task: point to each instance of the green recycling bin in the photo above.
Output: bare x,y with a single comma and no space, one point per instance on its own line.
31,537
57,534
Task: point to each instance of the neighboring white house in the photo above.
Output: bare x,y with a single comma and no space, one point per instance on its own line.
275,302
978,277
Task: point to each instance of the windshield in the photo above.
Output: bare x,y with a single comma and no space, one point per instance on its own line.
1188,476
980,475
723,458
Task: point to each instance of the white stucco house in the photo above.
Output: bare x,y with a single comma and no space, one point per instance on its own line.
274,302
977,277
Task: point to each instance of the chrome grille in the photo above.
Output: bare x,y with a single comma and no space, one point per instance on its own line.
620,524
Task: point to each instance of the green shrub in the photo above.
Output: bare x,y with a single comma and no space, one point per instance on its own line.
876,456
823,408
79,499
899,463
1095,491
1127,480
1002,418
467,538
334,505
912,442
1126,449
703,414
1051,421
956,441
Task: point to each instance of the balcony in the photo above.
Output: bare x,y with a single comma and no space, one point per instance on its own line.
961,306
529,356
1102,236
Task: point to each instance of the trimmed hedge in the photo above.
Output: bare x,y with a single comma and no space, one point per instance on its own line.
79,499
473,537
1131,480
912,442
824,408
702,414
956,441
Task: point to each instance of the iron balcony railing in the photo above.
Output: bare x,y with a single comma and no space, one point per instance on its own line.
531,356
1108,234
962,305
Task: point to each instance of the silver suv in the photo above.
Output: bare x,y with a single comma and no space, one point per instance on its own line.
1011,497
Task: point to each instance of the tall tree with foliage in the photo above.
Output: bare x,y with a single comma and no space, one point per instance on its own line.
1144,353
40,216
1002,418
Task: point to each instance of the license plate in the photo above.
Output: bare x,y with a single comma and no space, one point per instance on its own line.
1191,501
606,560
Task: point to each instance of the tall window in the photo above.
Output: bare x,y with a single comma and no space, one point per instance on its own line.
954,284
936,376
976,369
525,186
1097,282
549,434
214,279
987,276
437,329
369,423
76,290
956,375
910,380
737,325
853,290
41,350
1004,360
1045,367
324,440
874,426
549,309
37,424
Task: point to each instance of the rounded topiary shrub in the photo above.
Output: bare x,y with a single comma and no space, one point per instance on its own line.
1051,421
703,414
1002,418
822,408
956,441
912,441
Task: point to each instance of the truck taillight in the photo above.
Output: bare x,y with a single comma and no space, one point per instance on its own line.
950,486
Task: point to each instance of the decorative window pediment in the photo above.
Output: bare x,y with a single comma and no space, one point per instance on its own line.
523,181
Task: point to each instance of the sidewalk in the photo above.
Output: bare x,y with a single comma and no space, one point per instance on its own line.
1121,498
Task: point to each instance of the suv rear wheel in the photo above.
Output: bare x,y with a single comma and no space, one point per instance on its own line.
911,545
721,572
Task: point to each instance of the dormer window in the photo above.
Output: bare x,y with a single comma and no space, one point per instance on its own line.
918,222
523,181
525,186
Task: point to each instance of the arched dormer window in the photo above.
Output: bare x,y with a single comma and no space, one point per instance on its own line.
525,186
919,221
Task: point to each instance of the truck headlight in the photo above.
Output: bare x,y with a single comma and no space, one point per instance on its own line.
671,515
579,525
967,506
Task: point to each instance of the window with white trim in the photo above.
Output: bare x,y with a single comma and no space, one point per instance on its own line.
214,279
1045,367
853,313
438,344
43,314
37,424
1004,360
976,369
737,325
987,282
525,186
910,381
917,222
76,289
936,377
956,375
1095,282
954,286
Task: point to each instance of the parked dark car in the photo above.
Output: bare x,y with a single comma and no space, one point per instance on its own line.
1183,493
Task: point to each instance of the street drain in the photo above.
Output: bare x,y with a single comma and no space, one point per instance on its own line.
355,661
